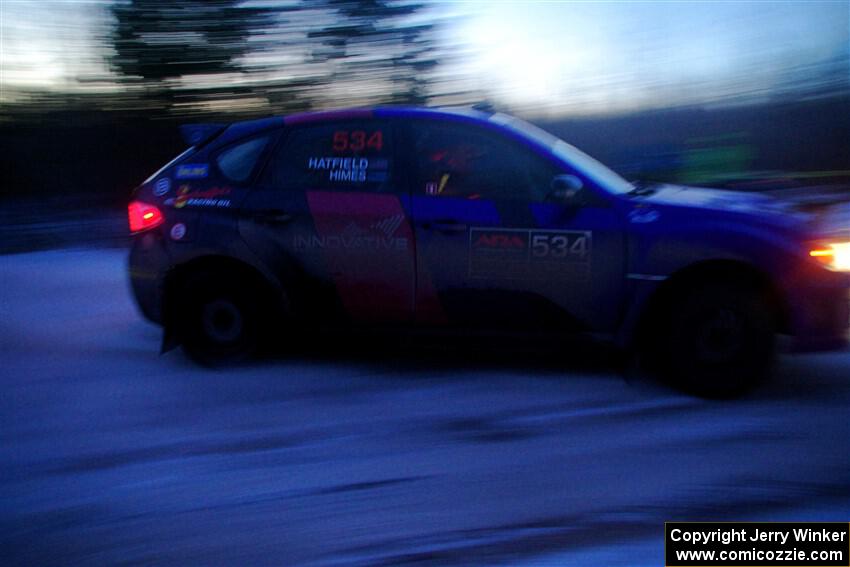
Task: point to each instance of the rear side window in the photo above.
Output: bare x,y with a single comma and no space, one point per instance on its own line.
343,156
237,162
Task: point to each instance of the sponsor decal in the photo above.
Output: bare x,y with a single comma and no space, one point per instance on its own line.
178,231
162,187
529,254
380,236
192,171
500,241
641,215
434,188
204,198
370,259
389,225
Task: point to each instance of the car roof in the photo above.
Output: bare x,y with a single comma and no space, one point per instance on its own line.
244,128
384,112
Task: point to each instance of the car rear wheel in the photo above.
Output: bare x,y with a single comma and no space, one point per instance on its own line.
220,321
718,341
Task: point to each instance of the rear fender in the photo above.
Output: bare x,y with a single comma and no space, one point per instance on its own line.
225,266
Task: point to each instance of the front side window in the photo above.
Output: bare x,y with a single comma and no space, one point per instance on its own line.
456,160
344,156
237,162
596,171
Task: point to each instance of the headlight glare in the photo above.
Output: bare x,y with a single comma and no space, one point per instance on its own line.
833,255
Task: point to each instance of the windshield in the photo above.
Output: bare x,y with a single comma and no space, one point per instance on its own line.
585,164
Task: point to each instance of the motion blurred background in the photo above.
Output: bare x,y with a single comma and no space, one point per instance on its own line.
742,95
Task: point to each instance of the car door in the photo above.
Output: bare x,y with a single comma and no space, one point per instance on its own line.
496,248
326,215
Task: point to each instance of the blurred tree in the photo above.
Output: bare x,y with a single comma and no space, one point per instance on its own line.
324,52
381,43
158,41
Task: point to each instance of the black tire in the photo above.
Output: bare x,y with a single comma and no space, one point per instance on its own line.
718,340
220,320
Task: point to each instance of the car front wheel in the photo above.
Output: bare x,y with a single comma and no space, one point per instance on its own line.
719,340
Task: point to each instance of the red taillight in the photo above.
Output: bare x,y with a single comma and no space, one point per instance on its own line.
143,216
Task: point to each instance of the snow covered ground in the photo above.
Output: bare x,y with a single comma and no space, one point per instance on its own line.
112,453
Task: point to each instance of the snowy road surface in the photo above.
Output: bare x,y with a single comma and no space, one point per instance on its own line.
111,453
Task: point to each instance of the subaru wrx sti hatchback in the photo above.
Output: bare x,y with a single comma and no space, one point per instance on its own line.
435,220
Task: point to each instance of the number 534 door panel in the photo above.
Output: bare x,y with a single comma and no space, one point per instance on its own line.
494,246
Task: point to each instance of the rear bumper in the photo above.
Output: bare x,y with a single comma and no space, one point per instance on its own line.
148,263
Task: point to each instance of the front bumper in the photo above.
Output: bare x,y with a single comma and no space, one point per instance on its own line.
821,320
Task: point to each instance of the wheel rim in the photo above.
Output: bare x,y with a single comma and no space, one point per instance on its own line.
721,336
222,321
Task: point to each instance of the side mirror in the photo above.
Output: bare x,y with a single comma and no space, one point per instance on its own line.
566,189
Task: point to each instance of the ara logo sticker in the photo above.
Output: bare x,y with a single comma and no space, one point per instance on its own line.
178,231
501,241
162,187
192,171
642,216
529,254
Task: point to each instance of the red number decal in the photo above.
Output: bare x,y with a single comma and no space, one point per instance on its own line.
358,140
376,140
340,143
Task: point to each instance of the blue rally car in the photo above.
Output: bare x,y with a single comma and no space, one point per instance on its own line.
436,219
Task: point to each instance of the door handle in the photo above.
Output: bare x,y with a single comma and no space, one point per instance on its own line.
273,216
445,226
